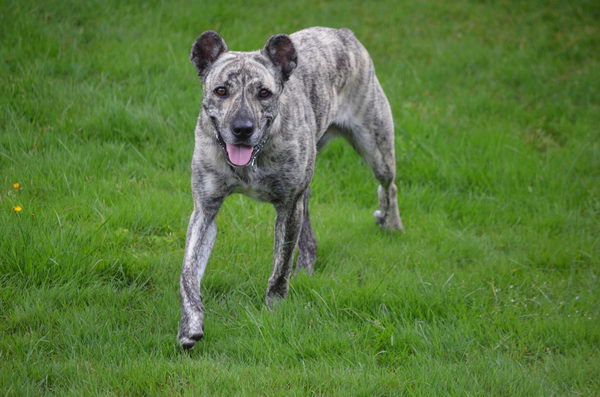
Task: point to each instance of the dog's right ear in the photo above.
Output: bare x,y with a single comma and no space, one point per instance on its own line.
206,50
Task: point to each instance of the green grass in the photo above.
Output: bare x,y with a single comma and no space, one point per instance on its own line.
492,290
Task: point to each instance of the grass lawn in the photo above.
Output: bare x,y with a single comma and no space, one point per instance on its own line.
492,290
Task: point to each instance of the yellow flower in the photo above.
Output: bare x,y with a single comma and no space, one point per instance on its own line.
125,230
16,186
17,208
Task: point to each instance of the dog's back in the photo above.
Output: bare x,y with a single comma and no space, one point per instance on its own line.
332,66
334,55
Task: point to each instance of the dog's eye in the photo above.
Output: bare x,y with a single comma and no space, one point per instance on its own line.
220,91
264,93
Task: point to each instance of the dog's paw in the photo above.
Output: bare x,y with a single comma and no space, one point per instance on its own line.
191,330
272,300
378,216
187,342
388,222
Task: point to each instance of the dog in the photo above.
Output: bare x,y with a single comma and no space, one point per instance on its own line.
264,116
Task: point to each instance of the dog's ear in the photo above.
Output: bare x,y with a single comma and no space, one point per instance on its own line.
206,50
281,51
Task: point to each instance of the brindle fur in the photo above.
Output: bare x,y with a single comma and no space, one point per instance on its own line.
323,84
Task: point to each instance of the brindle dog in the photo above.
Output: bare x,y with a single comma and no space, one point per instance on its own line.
265,115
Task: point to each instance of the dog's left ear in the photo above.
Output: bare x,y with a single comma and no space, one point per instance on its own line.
281,51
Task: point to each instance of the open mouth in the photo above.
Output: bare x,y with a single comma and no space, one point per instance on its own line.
239,155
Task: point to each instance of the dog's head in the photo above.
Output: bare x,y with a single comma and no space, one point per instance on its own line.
241,91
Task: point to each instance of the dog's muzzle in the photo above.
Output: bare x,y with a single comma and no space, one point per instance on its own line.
239,155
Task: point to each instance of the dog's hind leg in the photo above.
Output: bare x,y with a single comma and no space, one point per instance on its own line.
307,244
370,130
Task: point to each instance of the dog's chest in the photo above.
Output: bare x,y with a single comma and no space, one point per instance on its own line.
259,184
256,192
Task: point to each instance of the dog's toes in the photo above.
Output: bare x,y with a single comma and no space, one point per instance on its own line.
187,342
188,336
378,214
272,300
379,217
388,222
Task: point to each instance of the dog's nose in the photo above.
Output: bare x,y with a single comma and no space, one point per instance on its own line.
242,128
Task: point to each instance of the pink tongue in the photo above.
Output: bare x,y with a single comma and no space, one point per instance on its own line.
239,154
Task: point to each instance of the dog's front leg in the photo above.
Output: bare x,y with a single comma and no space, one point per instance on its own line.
287,230
201,234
